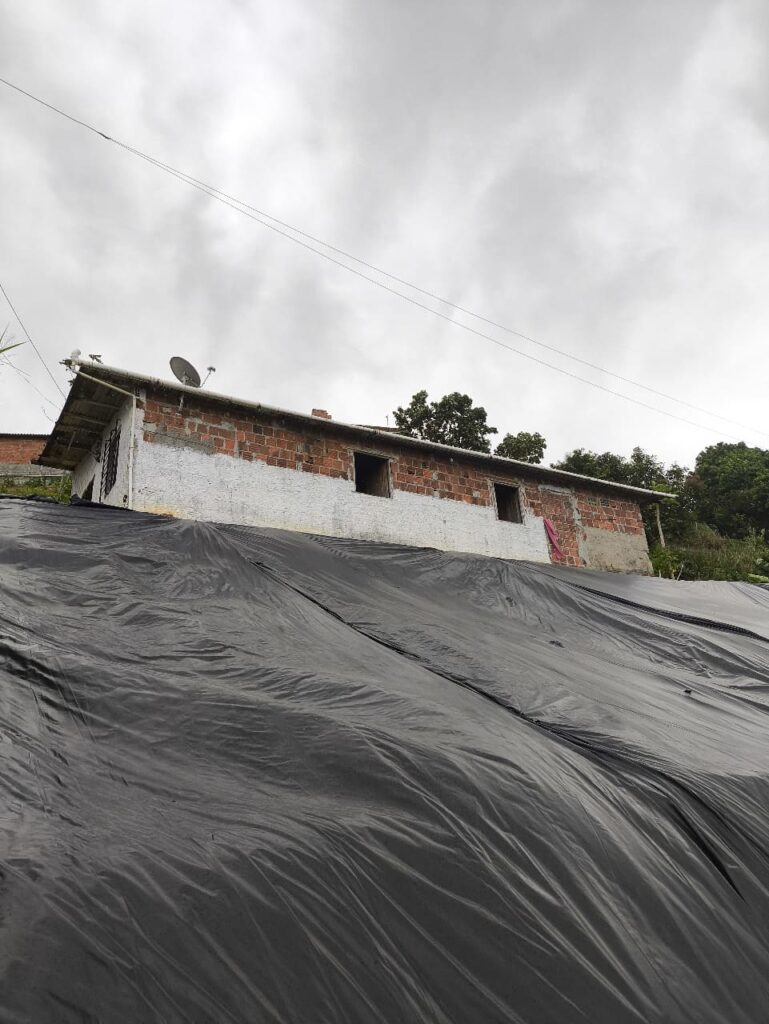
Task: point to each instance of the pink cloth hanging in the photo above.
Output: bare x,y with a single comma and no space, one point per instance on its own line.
552,536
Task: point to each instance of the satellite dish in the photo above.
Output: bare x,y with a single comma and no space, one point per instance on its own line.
185,372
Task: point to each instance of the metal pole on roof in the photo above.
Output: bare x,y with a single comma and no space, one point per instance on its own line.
659,525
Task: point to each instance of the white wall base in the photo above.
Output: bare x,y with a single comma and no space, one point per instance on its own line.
190,484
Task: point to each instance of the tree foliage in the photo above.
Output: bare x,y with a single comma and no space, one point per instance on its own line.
522,446
716,528
730,488
642,470
452,420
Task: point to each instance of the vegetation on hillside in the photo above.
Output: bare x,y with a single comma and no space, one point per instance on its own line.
715,529
704,554
59,490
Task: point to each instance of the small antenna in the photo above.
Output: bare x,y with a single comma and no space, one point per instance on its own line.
211,369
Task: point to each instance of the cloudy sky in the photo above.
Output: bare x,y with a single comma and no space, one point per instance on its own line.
590,173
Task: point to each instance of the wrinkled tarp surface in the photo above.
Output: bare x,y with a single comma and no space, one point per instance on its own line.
258,776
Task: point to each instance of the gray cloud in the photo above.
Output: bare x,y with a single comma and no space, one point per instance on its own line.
590,173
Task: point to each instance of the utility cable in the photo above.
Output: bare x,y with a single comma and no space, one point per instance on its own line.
421,305
215,192
29,339
259,216
7,361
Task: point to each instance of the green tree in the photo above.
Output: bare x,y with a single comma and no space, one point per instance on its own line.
605,466
678,517
452,420
522,446
730,488
716,527
642,469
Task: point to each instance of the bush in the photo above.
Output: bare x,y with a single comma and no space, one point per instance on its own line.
59,490
705,555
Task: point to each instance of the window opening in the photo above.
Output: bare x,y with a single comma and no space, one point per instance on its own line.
372,475
508,503
109,461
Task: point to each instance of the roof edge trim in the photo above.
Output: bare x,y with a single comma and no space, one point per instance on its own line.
526,468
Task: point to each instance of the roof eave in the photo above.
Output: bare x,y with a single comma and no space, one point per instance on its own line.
87,409
372,433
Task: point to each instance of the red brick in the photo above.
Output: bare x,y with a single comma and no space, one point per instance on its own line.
322,451
20,449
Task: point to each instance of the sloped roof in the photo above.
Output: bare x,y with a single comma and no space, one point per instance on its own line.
92,402
5,434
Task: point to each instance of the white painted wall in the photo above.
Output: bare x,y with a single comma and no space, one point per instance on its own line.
172,478
220,488
89,468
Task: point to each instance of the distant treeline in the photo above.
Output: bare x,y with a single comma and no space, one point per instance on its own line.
716,528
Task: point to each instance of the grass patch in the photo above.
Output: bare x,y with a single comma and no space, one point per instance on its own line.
705,555
59,490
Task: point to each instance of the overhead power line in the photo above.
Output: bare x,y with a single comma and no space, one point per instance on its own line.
421,305
216,193
270,222
7,361
29,339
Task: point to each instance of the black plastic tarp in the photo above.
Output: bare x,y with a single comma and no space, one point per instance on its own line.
257,776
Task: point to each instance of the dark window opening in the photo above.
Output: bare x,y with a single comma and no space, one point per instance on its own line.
508,503
88,492
109,461
372,475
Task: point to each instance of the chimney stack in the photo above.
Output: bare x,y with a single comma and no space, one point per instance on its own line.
322,414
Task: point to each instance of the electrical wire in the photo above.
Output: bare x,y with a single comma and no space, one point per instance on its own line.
29,339
421,305
6,361
215,192
264,219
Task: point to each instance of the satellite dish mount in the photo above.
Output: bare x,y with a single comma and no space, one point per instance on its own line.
185,372
187,375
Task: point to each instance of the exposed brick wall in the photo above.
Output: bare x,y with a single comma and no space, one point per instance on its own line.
557,504
214,430
570,509
22,449
309,449
608,513
437,477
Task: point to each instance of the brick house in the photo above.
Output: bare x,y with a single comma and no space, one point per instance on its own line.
17,455
158,446
20,449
